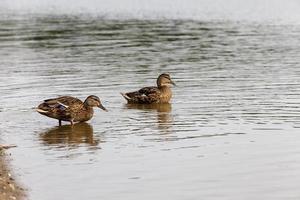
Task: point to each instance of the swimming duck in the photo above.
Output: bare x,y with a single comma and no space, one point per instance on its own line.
70,109
147,95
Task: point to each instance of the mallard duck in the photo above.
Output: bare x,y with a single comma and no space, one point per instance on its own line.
147,95
70,109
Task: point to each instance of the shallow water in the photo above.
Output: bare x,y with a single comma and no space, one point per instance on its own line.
230,132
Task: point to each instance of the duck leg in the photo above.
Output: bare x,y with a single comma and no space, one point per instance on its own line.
72,123
59,122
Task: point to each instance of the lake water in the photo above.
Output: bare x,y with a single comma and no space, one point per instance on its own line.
231,130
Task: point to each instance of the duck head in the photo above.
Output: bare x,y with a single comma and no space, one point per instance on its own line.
164,80
94,101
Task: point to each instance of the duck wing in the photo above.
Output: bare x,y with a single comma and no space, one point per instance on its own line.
145,95
65,101
59,108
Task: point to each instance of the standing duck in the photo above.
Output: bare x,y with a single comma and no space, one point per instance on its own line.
70,109
147,95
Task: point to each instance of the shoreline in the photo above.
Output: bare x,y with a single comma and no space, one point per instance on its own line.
10,189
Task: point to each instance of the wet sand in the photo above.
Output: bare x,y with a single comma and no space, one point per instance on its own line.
10,189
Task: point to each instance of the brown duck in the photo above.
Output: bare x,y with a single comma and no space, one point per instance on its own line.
70,109
148,95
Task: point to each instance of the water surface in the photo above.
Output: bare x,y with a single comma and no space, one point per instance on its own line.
230,132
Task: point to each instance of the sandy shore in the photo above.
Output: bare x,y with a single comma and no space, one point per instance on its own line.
9,188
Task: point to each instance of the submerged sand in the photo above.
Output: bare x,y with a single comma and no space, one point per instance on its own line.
9,188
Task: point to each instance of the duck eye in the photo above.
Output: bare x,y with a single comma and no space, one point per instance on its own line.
95,99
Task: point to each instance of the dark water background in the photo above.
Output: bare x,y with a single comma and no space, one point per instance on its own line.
230,132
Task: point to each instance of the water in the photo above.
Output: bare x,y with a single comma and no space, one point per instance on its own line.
230,132
279,11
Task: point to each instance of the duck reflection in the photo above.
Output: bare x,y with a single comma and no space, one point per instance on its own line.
66,135
164,117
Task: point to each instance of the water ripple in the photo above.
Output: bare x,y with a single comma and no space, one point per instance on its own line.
235,104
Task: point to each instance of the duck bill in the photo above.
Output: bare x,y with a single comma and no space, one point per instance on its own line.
173,83
102,107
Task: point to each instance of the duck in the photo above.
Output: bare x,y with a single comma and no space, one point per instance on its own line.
161,93
71,109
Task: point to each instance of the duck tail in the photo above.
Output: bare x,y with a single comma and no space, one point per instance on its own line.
42,108
125,96
41,111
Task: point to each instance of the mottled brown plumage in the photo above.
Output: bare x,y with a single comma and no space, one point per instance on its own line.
70,109
148,95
